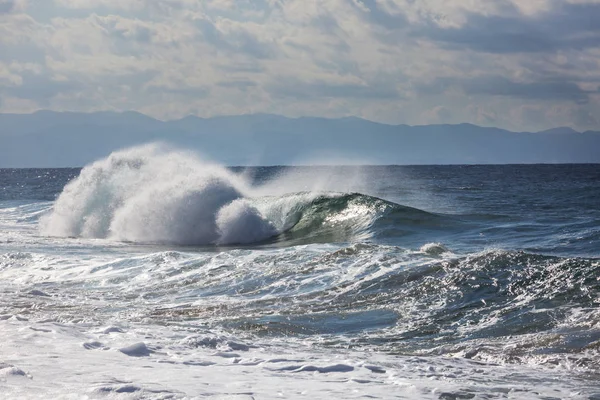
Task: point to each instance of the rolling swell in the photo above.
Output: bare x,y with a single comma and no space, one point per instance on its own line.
334,218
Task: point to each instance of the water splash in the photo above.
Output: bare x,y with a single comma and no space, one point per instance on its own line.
157,195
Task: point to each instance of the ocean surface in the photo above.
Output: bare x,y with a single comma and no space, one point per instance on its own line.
155,274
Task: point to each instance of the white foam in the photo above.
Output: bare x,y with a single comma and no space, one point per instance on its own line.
157,195
240,222
136,350
59,366
434,249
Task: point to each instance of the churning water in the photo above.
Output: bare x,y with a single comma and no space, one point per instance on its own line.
153,274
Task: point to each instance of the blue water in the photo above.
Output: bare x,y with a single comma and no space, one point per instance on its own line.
496,264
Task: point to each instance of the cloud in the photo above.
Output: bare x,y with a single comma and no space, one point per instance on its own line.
19,29
565,26
94,4
533,115
40,87
438,114
227,35
501,86
502,63
319,89
8,77
6,6
374,13
240,84
12,6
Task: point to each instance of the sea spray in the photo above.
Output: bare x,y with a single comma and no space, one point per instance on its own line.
156,195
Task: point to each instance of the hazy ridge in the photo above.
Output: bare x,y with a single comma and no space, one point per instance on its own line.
55,139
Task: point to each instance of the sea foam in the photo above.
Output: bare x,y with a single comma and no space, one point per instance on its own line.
157,195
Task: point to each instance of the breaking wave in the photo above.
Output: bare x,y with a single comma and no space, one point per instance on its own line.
151,194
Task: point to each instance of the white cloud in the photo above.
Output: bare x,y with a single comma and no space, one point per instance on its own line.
19,29
8,77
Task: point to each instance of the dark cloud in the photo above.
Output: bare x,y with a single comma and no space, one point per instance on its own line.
569,68
493,34
500,86
566,26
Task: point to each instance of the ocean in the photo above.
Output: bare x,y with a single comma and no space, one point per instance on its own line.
154,274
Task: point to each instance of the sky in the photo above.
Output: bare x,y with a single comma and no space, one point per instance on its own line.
515,64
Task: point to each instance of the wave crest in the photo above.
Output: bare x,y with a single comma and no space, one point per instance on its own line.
153,194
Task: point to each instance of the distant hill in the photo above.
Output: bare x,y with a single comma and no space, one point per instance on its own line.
55,139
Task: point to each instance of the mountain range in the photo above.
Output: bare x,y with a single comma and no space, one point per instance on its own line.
69,139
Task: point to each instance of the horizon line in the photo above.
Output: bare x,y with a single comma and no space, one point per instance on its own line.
360,165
